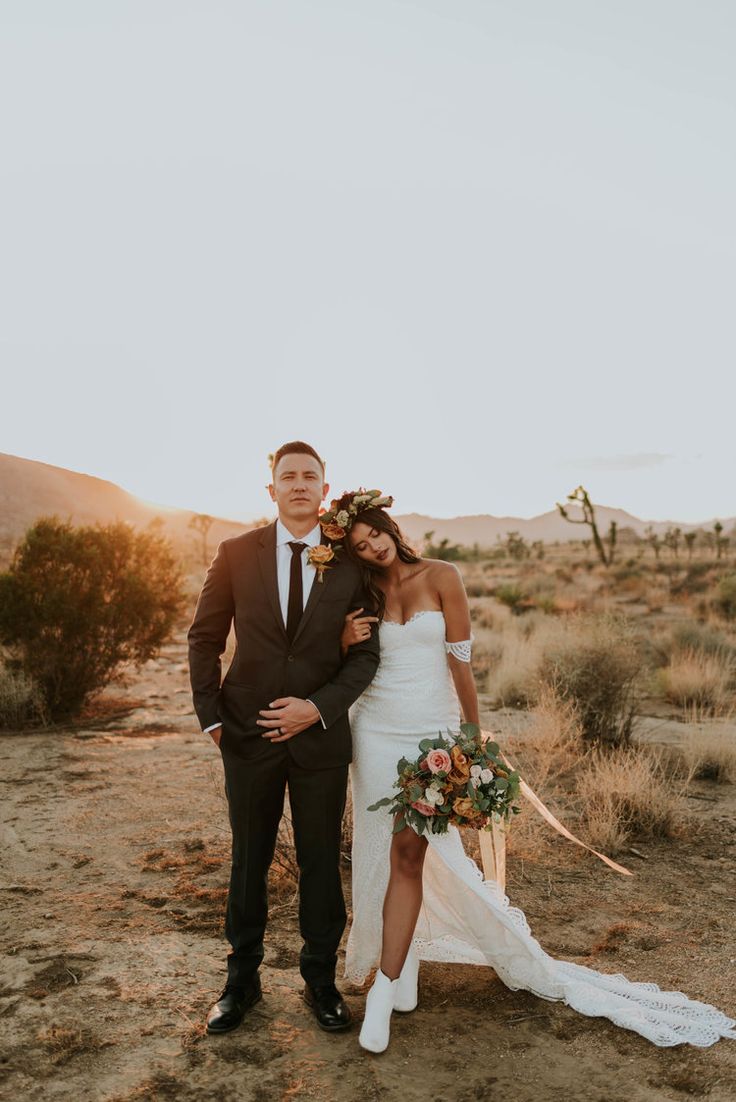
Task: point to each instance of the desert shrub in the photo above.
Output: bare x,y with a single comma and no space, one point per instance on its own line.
511,595
628,571
710,754
694,579
596,666
698,678
78,603
21,700
626,793
477,589
701,637
725,599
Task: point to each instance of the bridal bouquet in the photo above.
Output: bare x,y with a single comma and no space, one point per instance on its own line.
462,781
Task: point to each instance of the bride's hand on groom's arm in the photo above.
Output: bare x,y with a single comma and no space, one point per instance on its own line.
286,717
356,630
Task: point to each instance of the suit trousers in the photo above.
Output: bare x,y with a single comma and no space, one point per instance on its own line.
255,788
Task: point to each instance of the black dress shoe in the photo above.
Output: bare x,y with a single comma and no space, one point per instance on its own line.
229,1010
329,1009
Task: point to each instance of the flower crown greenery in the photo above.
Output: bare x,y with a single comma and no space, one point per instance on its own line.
337,521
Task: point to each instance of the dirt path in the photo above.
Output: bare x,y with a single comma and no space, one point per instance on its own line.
114,871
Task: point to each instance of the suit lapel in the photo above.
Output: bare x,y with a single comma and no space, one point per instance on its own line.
267,564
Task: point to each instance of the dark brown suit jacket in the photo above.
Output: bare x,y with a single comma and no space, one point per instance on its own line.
241,584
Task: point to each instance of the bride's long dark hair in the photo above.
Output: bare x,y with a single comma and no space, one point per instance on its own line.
382,522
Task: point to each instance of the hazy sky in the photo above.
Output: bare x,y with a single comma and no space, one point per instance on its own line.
475,252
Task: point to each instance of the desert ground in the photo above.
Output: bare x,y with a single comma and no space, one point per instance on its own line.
115,866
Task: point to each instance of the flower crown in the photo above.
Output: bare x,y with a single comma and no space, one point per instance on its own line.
337,521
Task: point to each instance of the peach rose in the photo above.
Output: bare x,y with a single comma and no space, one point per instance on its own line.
320,557
438,761
423,808
333,531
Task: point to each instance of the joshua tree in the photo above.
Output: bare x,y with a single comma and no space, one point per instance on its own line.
580,495
612,533
690,538
202,522
653,540
445,550
672,539
516,546
721,544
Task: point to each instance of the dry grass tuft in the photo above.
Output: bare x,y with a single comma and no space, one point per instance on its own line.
627,794
21,701
546,756
616,936
63,1044
520,648
710,753
699,678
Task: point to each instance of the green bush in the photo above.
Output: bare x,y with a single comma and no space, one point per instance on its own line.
700,637
78,603
597,668
725,600
511,595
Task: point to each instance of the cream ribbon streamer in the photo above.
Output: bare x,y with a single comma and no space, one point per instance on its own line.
493,842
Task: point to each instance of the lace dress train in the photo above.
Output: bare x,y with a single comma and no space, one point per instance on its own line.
464,918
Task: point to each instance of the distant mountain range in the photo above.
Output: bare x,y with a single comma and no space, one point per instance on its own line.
29,489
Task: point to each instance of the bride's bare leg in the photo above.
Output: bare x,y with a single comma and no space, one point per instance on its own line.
403,899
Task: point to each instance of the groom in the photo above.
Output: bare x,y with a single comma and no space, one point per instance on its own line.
280,720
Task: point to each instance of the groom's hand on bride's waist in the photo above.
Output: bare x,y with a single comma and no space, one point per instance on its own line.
286,717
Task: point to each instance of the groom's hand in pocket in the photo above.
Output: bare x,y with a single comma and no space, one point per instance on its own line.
286,717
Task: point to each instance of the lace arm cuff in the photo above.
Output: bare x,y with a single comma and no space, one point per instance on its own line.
460,650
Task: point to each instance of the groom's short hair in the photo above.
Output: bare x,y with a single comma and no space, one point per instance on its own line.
295,447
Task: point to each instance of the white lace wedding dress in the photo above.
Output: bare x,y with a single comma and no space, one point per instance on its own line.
464,918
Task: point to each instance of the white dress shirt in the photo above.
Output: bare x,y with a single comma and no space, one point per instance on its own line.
283,563
283,575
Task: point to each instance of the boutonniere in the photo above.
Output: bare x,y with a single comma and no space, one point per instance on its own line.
320,558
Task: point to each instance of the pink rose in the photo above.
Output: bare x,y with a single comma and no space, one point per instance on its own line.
439,761
423,808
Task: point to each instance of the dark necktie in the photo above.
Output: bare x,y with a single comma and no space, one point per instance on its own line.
295,607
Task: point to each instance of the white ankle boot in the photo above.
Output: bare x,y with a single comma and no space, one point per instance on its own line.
376,1026
407,983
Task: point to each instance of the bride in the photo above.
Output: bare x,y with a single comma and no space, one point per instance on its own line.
420,897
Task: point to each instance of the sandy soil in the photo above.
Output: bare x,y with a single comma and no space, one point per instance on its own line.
114,849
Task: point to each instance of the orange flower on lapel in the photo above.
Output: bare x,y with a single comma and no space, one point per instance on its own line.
320,558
